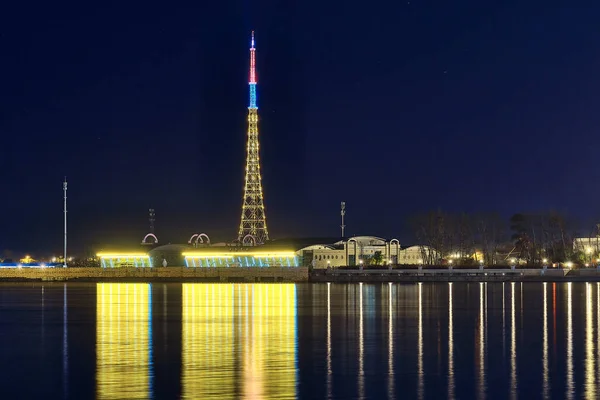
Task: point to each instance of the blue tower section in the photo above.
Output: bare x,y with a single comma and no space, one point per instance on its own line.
252,96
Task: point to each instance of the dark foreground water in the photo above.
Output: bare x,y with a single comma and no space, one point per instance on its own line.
201,341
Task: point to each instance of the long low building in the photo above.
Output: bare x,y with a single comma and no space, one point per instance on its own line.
315,253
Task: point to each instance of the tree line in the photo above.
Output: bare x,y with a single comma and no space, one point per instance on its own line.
487,238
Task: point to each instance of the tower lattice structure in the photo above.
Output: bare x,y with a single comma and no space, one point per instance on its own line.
253,221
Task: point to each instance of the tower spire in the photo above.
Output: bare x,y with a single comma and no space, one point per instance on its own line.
253,225
252,78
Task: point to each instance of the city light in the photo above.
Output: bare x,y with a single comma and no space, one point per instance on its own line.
117,260
288,253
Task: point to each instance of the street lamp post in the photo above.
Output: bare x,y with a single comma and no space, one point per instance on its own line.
65,222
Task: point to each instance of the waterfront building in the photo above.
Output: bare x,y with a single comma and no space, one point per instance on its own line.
590,245
125,259
363,250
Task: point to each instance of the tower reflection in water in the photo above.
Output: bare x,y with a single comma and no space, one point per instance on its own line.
239,340
123,340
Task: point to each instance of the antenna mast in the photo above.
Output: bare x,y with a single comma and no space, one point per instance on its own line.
65,222
343,214
151,218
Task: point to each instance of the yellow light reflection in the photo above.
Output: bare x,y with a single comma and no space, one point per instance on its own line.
513,344
329,370
123,340
361,347
570,390
590,378
450,345
229,326
481,342
390,344
420,344
546,373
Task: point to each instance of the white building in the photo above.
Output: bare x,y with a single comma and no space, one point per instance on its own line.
362,250
587,244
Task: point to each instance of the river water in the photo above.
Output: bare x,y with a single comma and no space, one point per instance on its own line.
202,341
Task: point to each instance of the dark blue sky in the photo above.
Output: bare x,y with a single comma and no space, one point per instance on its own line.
396,109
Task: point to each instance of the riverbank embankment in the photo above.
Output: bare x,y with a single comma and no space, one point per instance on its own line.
159,274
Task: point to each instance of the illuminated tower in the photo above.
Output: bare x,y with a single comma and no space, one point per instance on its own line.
253,220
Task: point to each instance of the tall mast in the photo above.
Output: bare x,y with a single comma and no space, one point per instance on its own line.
253,224
65,222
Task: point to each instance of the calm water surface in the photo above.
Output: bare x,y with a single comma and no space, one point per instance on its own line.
201,341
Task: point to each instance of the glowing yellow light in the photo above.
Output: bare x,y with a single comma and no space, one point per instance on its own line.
199,254
123,340
123,255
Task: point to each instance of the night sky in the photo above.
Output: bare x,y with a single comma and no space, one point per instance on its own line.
394,107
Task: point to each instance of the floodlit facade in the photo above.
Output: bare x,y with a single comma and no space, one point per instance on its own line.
362,250
226,258
351,252
589,245
120,260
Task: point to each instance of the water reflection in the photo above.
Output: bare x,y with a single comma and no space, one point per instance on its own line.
570,383
361,345
450,344
420,344
123,340
65,344
545,368
238,341
390,343
513,343
329,370
590,379
242,340
481,341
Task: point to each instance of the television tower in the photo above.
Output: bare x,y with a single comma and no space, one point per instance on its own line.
253,221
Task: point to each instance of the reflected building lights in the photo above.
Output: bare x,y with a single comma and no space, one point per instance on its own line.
361,349
570,389
503,320
450,345
65,352
481,343
123,340
390,344
513,344
420,344
546,372
598,329
590,375
329,371
207,341
262,345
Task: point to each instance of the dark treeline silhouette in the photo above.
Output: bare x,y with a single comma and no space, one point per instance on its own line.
527,238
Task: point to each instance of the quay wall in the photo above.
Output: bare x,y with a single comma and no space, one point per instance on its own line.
173,274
